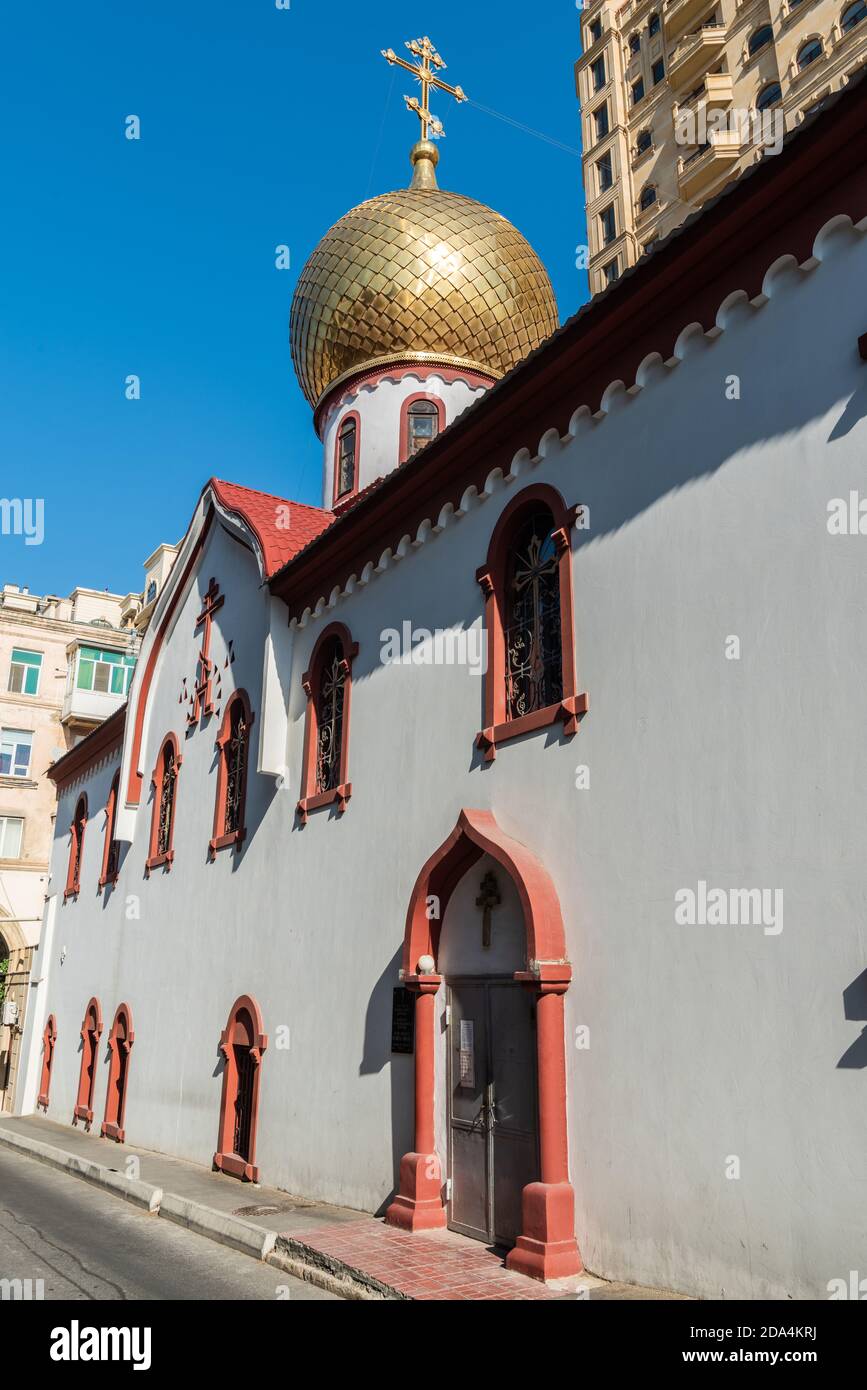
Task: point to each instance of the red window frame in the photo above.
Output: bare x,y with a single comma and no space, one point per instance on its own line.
404,419
76,849
91,1032
118,1075
310,799
492,579
244,1022
166,858
49,1042
110,821
351,417
221,839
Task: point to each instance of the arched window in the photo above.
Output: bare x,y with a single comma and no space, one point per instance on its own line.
771,95
233,743
760,38
327,685
76,849
634,44
242,1044
853,15
346,456
164,781
120,1041
653,25
808,53
111,846
530,681
648,197
643,142
49,1042
91,1032
421,420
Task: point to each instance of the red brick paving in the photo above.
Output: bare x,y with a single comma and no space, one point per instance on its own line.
434,1267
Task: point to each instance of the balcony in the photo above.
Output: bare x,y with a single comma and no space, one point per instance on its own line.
694,55
702,170
714,93
679,16
97,684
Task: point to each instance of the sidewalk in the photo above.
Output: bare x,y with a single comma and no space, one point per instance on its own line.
346,1252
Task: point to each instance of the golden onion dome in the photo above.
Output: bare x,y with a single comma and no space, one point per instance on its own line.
420,275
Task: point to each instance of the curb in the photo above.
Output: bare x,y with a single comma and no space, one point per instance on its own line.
331,1274
141,1194
216,1225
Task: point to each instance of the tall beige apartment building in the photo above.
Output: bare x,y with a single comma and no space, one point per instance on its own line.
679,96
65,666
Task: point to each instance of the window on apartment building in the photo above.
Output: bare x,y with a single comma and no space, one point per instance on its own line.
595,30
638,91
24,672
760,38
611,272
657,72
11,835
634,44
151,591
604,172
597,73
649,244
653,25
648,198
107,672
600,121
853,16
808,53
16,749
771,95
608,225
643,142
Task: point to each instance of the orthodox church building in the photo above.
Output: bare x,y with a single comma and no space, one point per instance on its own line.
484,848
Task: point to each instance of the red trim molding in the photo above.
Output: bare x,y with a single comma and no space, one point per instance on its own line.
76,849
135,778
105,877
221,839
546,1248
492,578
166,859
91,1032
49,1042
244,1029
355,418
403,452
120,1041
102,740
338,796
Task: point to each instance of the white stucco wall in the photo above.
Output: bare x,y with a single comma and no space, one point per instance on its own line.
707,1043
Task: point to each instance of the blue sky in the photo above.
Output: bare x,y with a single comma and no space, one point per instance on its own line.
259,126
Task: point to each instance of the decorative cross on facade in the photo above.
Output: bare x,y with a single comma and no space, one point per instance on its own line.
424,72
487,901
202,703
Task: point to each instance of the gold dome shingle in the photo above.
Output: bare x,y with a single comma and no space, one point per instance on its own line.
418,273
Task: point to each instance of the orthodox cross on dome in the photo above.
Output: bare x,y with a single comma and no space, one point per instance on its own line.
201,701
488,899
425,71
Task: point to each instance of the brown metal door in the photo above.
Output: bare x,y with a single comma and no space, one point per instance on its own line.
493,1129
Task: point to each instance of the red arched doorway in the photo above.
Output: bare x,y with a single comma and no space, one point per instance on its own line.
546,1248
120,1041
91,1032
49,1042
242,1044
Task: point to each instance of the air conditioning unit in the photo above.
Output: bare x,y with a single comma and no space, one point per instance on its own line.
9,1017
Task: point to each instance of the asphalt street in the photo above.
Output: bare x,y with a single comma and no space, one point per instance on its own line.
86,1244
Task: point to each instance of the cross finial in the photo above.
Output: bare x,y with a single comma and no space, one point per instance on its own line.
425,70
488,899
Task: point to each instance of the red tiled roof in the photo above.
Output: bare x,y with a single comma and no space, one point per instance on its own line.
282,527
